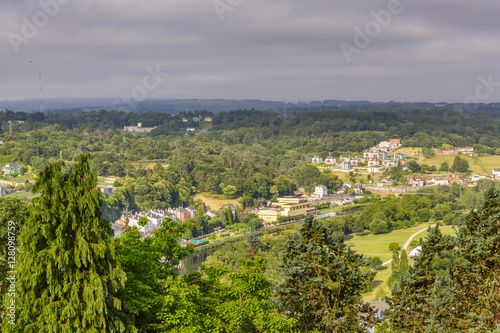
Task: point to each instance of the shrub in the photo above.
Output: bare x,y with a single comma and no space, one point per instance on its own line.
374,261
394,246
378,226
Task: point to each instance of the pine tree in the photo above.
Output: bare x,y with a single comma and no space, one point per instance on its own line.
323,281
413,306
13,215
478,278
68,280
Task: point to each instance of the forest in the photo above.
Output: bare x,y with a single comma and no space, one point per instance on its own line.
67,256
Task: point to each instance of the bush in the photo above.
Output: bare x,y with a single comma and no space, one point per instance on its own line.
374,261
394,246
378,226
414,243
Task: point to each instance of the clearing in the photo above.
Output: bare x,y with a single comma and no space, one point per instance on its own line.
215,203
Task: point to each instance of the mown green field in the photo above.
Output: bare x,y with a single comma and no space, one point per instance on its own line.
21,195
378,246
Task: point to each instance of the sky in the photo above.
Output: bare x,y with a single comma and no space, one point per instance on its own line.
283,50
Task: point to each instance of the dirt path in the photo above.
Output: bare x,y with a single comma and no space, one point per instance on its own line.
405,247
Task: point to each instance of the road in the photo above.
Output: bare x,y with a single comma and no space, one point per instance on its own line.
405,247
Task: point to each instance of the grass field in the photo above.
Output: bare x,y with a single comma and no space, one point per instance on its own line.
478,164
21,195
215,203
378,246
408,151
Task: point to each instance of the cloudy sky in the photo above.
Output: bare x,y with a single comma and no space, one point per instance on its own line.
288,50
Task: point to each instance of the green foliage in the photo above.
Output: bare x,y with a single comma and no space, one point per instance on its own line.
394,246
229,191
147,261
199,302
13,215
374,261
323,281
378,226
67,265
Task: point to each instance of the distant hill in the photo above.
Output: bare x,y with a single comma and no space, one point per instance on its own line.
174,106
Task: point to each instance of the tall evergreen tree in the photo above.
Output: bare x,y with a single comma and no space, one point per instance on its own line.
13,215
323,281
478,278
414,307
68,280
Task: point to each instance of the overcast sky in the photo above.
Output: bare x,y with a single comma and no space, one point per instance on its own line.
286,50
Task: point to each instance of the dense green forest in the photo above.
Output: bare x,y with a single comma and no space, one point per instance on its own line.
70,274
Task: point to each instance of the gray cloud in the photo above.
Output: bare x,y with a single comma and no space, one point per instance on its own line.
279,50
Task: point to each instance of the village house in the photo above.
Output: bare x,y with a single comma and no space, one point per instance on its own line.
373,162
385,183
370,154
330,160
208,119
496,173
154,217
399,157
466,150
344,159
320,192
344,189
317,159
358,188
395,143
11,168
138,129
357,160
346,165
184,119
384,144
382,154
439,181
447,152
212,213
416,182
388,163
375,169
107,190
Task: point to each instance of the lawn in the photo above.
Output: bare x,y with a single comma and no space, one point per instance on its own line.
21,195
475,163
408,151
215,202
378,246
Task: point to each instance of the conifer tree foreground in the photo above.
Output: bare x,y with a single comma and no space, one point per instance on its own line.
323,282
67,275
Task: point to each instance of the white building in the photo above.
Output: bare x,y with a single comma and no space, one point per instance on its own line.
320,192
439,181
375,169
154,217
496,173
330,160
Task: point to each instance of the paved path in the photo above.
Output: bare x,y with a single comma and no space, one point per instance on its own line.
405,247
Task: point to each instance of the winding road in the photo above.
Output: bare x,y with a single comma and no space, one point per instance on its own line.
405,247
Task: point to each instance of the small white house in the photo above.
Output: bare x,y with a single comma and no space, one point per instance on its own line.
375,169
496,173
321,192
